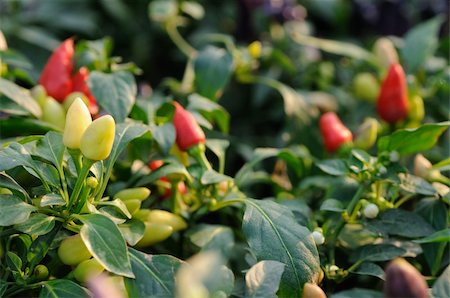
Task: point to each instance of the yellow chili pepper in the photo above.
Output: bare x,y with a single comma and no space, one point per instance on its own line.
77,121
97,141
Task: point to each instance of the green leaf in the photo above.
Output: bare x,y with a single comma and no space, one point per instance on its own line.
245,173
14,58
416,185
273,234
51,148
420,43
332,205
52,199
13,261
439,236
221,283
218,147
154,275
335,167
21,96
213,237
401,223
162,10
377,253
441,287
115,92
211,110
13,210
358,293
165,136
132,231
263,279
38,224
213,177
118,204
105,242
8,182
40,246
368,268
60,288
213,67
334,47
409,141
13,156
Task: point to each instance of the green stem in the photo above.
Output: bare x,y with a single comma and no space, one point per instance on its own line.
104,183
65,192
76,157
178,40
198,153
226,203
80,182
341,223
82,199
403,200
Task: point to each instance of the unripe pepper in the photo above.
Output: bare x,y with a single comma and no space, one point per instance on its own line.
56,75
366,135
73,251
80,84
366,86
392,103
137,193
78,119
97,141
53,113
334,133
403,280
88,269
416,109
188,132
385,52
168,218
154,233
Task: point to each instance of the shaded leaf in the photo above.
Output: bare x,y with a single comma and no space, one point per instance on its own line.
60,288
132,231
213,237
13,210
21,96
38,224
368,268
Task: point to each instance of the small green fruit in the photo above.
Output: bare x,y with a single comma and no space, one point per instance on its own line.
88,269
73,251
137,193
154,233
132,205
168,218
53,113
366,86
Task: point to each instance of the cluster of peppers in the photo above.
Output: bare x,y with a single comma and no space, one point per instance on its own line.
392,103
60,84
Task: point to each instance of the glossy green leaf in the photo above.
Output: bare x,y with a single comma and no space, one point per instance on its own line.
60,288
40,246
377,253
441,287
154,275
15,155
213,112
263,279
439,236
105,242
115,92
51,148
118,204
13,210
416,185
332,205
13,261
169,169
37,224
409,141
21,96
273,234
164,135
400,222
368,268
213,68
132,231
213,177
52,199
218,147
420,43
213,237
8,182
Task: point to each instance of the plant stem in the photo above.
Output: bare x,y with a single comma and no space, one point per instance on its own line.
226,203
351,206
178,40
80,182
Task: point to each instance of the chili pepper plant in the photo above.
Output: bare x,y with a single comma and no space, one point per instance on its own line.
286,166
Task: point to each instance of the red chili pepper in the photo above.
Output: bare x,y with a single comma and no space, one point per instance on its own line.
56,75
392,103
334,133
153,165
80,84
187,129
